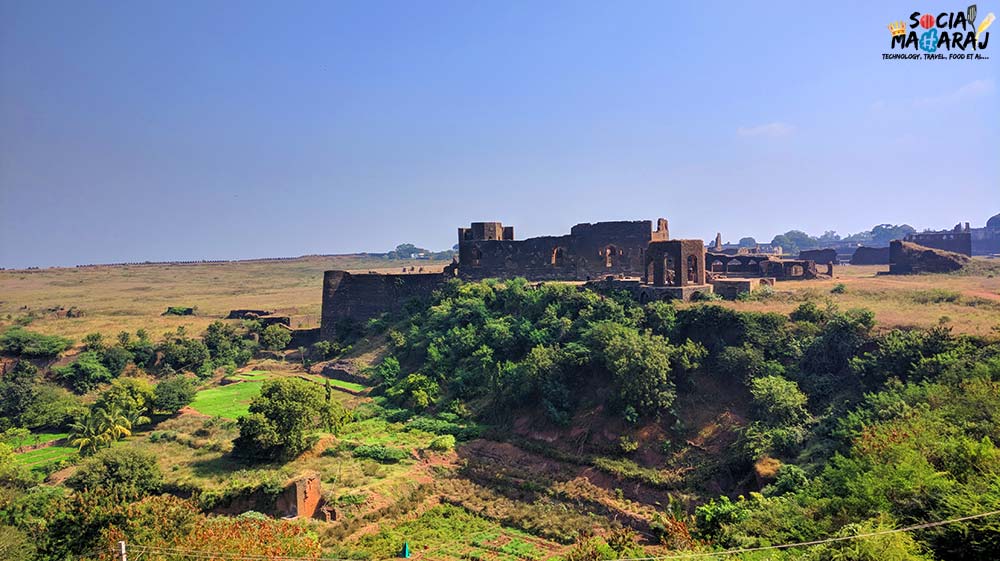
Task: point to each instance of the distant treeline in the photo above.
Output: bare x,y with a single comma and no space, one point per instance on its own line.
794,241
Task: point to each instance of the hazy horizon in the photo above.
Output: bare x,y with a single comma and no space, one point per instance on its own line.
184,131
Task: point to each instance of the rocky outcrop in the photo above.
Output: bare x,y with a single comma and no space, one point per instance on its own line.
906,258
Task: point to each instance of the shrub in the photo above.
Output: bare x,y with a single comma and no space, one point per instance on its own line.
809,312
275,337
179,311
627,444
443,443
381,453
124,471
85,373
778,401
21,342
174,393
839,288
116,358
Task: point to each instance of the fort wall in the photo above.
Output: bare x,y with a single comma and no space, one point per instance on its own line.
358,297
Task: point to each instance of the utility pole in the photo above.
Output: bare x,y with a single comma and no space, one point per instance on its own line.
121,551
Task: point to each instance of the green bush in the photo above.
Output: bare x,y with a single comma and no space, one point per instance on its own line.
85,373
179,311
21,342
173,393
443,443
128,472
381,453
275,337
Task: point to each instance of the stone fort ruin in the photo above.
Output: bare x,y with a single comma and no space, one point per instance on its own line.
631,254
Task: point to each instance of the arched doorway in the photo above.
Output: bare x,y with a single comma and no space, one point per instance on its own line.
610,256
692,269
558,257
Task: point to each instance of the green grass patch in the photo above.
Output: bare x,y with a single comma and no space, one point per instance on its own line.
347,385
43,456
450,532
229,402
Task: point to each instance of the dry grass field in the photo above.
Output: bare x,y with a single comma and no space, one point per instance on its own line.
129,297
969,303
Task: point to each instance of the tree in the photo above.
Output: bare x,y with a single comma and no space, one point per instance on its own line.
21,342
778,401
748,242
132,396
885,233
116,358
794,241
53,407
18,391
174,393
279,419
641,364
84,374
99,427
94,342
128,472
88,434
275,337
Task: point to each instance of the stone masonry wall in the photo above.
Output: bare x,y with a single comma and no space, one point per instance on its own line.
358,297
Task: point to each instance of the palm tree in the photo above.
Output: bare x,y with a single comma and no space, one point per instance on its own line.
89,434
115,422
135,417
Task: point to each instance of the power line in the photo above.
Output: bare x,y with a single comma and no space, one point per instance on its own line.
811,543
234,556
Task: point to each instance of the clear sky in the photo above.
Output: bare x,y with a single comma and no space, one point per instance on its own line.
176,129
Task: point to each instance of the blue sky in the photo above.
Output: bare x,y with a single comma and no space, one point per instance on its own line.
190,130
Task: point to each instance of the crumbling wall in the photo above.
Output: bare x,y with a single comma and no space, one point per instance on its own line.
358,297
302,498
909,258
589,251
870,256
675,263
820,256
954,241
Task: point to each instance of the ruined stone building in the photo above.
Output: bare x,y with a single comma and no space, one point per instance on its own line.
589,251
957,240
963,239
652,265
986,241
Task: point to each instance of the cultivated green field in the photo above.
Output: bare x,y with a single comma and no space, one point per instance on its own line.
229,402
42,456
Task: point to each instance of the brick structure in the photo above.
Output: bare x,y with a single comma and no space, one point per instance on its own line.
301,499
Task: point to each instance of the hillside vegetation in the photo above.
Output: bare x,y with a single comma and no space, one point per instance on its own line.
509,420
